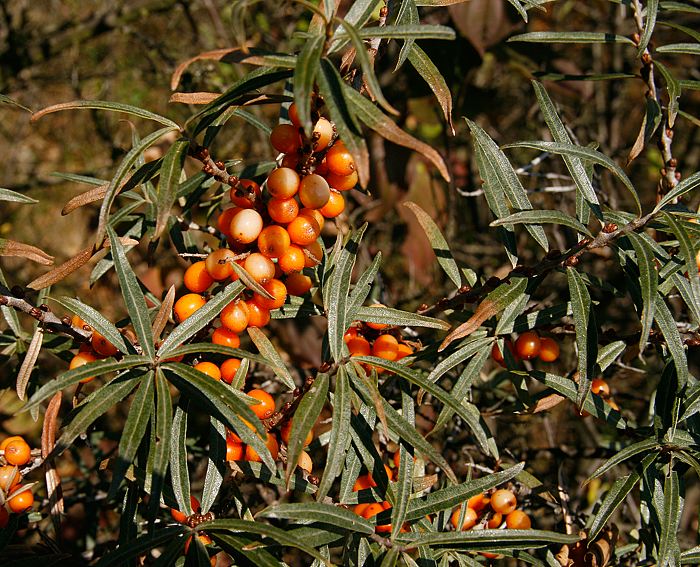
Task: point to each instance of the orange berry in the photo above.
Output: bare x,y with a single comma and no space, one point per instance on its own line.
9,478
527,346
600,387
21,502
478,502
340,161
386,347
404,350
266,407
314,191
503,501
79,360
260,267
518,520
283,211
180,516
4,517
229,367
204,538
234,451
293,260
313,253
342,182
314,214
77,322
223,222
612,403
272,446
321,168
298,284
495,521
334,206
549,349
285,138
351,333
225,337
197,278
294,115
304,462
374,509
277,290
359,509
187,305
273,241
246,225
101,345
377,326
246,194
303,230
209,368
5,442
363,482
258,316
359,346
218,264
235,316
322,134
286,429
290,160
469,521
283,183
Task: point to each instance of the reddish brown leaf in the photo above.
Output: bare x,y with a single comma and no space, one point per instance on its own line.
164,312
21,250
486,309
89,196
25,371
547,403
194,98
53,479
65,269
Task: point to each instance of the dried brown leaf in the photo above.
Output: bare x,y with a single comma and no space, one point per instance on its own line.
547,403
25,371
65,269
48,432
194,98
53,479
215,55
21,250
89,196
164,312
486,309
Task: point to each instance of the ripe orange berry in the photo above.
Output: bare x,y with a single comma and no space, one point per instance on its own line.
260,267
322,134
478,502
342,182
21,502
518,520
218,264
359,509
187,305
527,346
503,501
101,345
334,206
290,160
266,407
314,191
79,360
272,446
229,367
303,230
363,482
5,442
600,387
204,538
277,290
374,509
285,138
386,347
209,368
304,462
4,517
294,115
225,337
351,333
258,316
286,429
273,241
180,516
197,278
498,356
223,223
246,194
283,211
234,451
377,326
469,521
549,349
313,253
404,350
359,346
283,183
77,322
340,161
298,284
246,225
9,478
235,316
314,214
322,167
495,521
293,260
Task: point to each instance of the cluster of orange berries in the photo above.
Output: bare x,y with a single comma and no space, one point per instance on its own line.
15,452
376,339
97,347
528,345
182,518
273,231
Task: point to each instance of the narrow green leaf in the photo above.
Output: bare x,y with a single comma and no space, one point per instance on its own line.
14,197
391,316
686,30
273,358
141,545
162,425
362,287
304,419
685,186
133,296
489,539
609,353
246,547
97,321
643,446
407,15
305,72
571,37
652,9
691,556
404,475
543,217
680,48
667,325
688,253
105,105
178,459
319,512
216,464
419,31
437,242
200,319
358,15
465,351
4,99
586,333
673,86
649,283
170,174
431,75
501,173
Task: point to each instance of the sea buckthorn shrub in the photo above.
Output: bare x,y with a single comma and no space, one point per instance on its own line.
295,393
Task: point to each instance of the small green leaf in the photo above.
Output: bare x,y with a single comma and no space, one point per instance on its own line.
170,174
489,539
673,86
141,545
431,74
466,350
652,9
178,459
391,316
163,426
97,321
680,48
586,333
319,512
106,105
609,353
686,185
14,197
543,217
688,253
643,446
571,37
419,31
216,464
304,76
649,283
272,357
667,324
